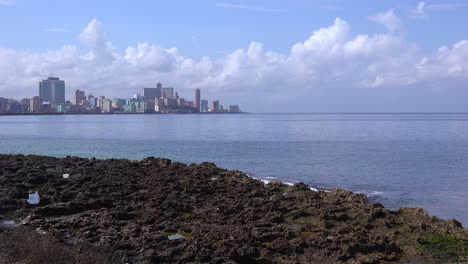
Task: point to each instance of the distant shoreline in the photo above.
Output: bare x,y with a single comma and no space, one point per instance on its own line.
125,113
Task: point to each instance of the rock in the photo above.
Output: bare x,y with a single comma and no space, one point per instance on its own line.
130,208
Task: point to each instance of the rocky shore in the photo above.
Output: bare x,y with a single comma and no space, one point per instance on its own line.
157,211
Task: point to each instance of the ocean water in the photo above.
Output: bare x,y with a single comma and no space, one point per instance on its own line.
399,160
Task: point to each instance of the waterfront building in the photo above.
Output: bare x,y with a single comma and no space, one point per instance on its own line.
197,100
215,106
15,107
100,101
3,105
35,105
170,102
60,108
92,101
167,93
234,108
79,98
25,102
129,107
180,102
52,90
204,106
160,106
46,107
107,106
118,103
151,94
144,107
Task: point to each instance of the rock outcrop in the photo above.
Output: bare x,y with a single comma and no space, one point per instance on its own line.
158,211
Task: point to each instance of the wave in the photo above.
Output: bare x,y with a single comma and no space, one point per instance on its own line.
267,180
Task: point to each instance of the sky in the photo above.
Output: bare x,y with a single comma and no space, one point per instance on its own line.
264,55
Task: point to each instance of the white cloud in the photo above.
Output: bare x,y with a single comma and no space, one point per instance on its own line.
94,37
420,10
389,20
7,2
423,8
331,59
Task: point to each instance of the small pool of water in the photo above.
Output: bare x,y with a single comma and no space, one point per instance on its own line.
7,222
175,236
33,198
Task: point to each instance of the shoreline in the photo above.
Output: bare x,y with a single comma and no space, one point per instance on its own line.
156,210
123,113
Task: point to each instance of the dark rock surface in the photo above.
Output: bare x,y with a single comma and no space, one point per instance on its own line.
158,211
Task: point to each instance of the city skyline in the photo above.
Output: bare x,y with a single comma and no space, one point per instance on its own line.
51,99
305,56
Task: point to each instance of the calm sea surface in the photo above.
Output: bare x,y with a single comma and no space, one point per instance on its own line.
400,160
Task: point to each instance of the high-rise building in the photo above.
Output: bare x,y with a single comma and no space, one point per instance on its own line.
35,104
234,108
25,102
107,106
52,90
3,104
215,106
151,94
204,106
196,102
167,92
79,98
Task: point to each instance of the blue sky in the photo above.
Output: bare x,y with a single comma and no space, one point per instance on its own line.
377,56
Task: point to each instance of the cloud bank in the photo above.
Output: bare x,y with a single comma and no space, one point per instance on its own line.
331,63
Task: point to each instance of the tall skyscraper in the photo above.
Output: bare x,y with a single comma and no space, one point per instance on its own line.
204,106
52,90
35,104
167,92
79,98
196,102
151,94
215,106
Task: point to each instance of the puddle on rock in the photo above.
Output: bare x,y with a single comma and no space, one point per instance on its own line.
7,222
33,198
175,236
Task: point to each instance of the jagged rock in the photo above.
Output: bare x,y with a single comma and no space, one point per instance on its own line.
131,208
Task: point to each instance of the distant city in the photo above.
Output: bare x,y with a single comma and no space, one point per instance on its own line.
159,99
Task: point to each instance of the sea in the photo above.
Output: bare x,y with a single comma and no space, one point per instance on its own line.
399,160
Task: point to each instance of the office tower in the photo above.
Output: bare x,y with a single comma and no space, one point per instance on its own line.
196,102
234,108
25,102
100,101
79,98
107,106
180,102
3,104
35,104
204,106
151,94
52,90
215,106
167,92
